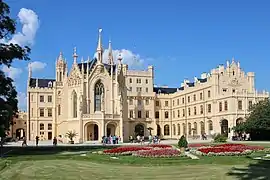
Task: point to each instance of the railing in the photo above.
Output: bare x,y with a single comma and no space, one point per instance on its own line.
99,116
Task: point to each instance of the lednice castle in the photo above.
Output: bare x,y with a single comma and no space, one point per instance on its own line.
100,97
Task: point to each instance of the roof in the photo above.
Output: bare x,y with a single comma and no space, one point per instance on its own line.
92,64
163,90
42,83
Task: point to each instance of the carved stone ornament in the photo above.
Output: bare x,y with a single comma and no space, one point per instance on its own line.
234,82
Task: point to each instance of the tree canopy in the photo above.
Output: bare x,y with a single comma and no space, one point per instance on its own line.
258,119
8,53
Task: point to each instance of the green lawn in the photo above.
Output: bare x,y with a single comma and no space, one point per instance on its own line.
94,166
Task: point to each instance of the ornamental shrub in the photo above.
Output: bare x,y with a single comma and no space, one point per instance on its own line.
182,143
219,138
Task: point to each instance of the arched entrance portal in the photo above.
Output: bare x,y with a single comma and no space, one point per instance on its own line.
92,132
20,133
158,130
139,130
239,121
111,129
224,127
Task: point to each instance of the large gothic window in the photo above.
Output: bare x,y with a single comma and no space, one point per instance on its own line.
99,89
74,99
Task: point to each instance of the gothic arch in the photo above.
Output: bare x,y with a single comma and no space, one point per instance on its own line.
98,93
74,104
166,130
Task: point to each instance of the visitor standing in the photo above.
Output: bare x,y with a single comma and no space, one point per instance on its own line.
54,141
24,142
37,140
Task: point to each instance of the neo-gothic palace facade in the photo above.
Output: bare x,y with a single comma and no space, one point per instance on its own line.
99,97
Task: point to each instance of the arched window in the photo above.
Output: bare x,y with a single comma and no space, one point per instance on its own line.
166,130
178,129
210,125
202,128
74,98
166,114
59,109
195,128
99,89
174,129
184,129
189,129
41,126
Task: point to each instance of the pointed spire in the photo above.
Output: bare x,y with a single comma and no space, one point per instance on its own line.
82,66
110,54
29,70
61,56
87,67
233,60
99,47
75,56
228,64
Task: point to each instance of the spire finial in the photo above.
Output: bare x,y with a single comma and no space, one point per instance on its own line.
61,56
110,53
99,47
75,56
30,70
120,58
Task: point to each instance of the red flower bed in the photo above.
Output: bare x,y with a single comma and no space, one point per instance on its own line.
125,150
196,145
157,153
160,146
231,149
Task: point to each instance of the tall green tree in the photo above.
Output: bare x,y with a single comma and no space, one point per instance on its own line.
258,119
8,53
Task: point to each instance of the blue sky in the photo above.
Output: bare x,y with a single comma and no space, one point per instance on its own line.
181,39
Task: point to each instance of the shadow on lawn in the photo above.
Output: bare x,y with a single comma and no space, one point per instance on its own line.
258,170
46,150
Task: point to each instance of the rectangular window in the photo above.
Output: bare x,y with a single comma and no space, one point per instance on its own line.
201,109
41,112
166,103
32,98
147,101
130,80
173,103
130,101
139,81
195,111
173,114
139,102
209,108
146,90
189,111
209,94
49,112
59,109
183,100
188,99
183,112
166,114
139,89
41,98
178,113
130,89
240,105
194,97
147,114
139,114
157,103
146,81
49,126
32,112
226,105
157,115
220,106
201,96
249,104
130,113
49,98
177,102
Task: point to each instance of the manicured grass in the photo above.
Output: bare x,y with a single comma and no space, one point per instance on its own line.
95,166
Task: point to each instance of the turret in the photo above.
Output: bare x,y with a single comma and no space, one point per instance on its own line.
60,68
99,48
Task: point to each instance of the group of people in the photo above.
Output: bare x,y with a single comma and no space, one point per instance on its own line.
140,139
241,137
111,139
24,143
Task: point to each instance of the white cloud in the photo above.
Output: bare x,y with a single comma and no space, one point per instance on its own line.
37,65
22,99
30,24
12,72
131,59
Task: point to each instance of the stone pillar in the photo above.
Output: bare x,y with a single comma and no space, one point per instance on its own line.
101,130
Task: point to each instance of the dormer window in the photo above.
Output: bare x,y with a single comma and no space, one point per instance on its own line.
50,84
159,91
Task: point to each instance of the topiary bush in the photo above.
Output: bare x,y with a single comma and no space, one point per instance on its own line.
182,143
219,138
